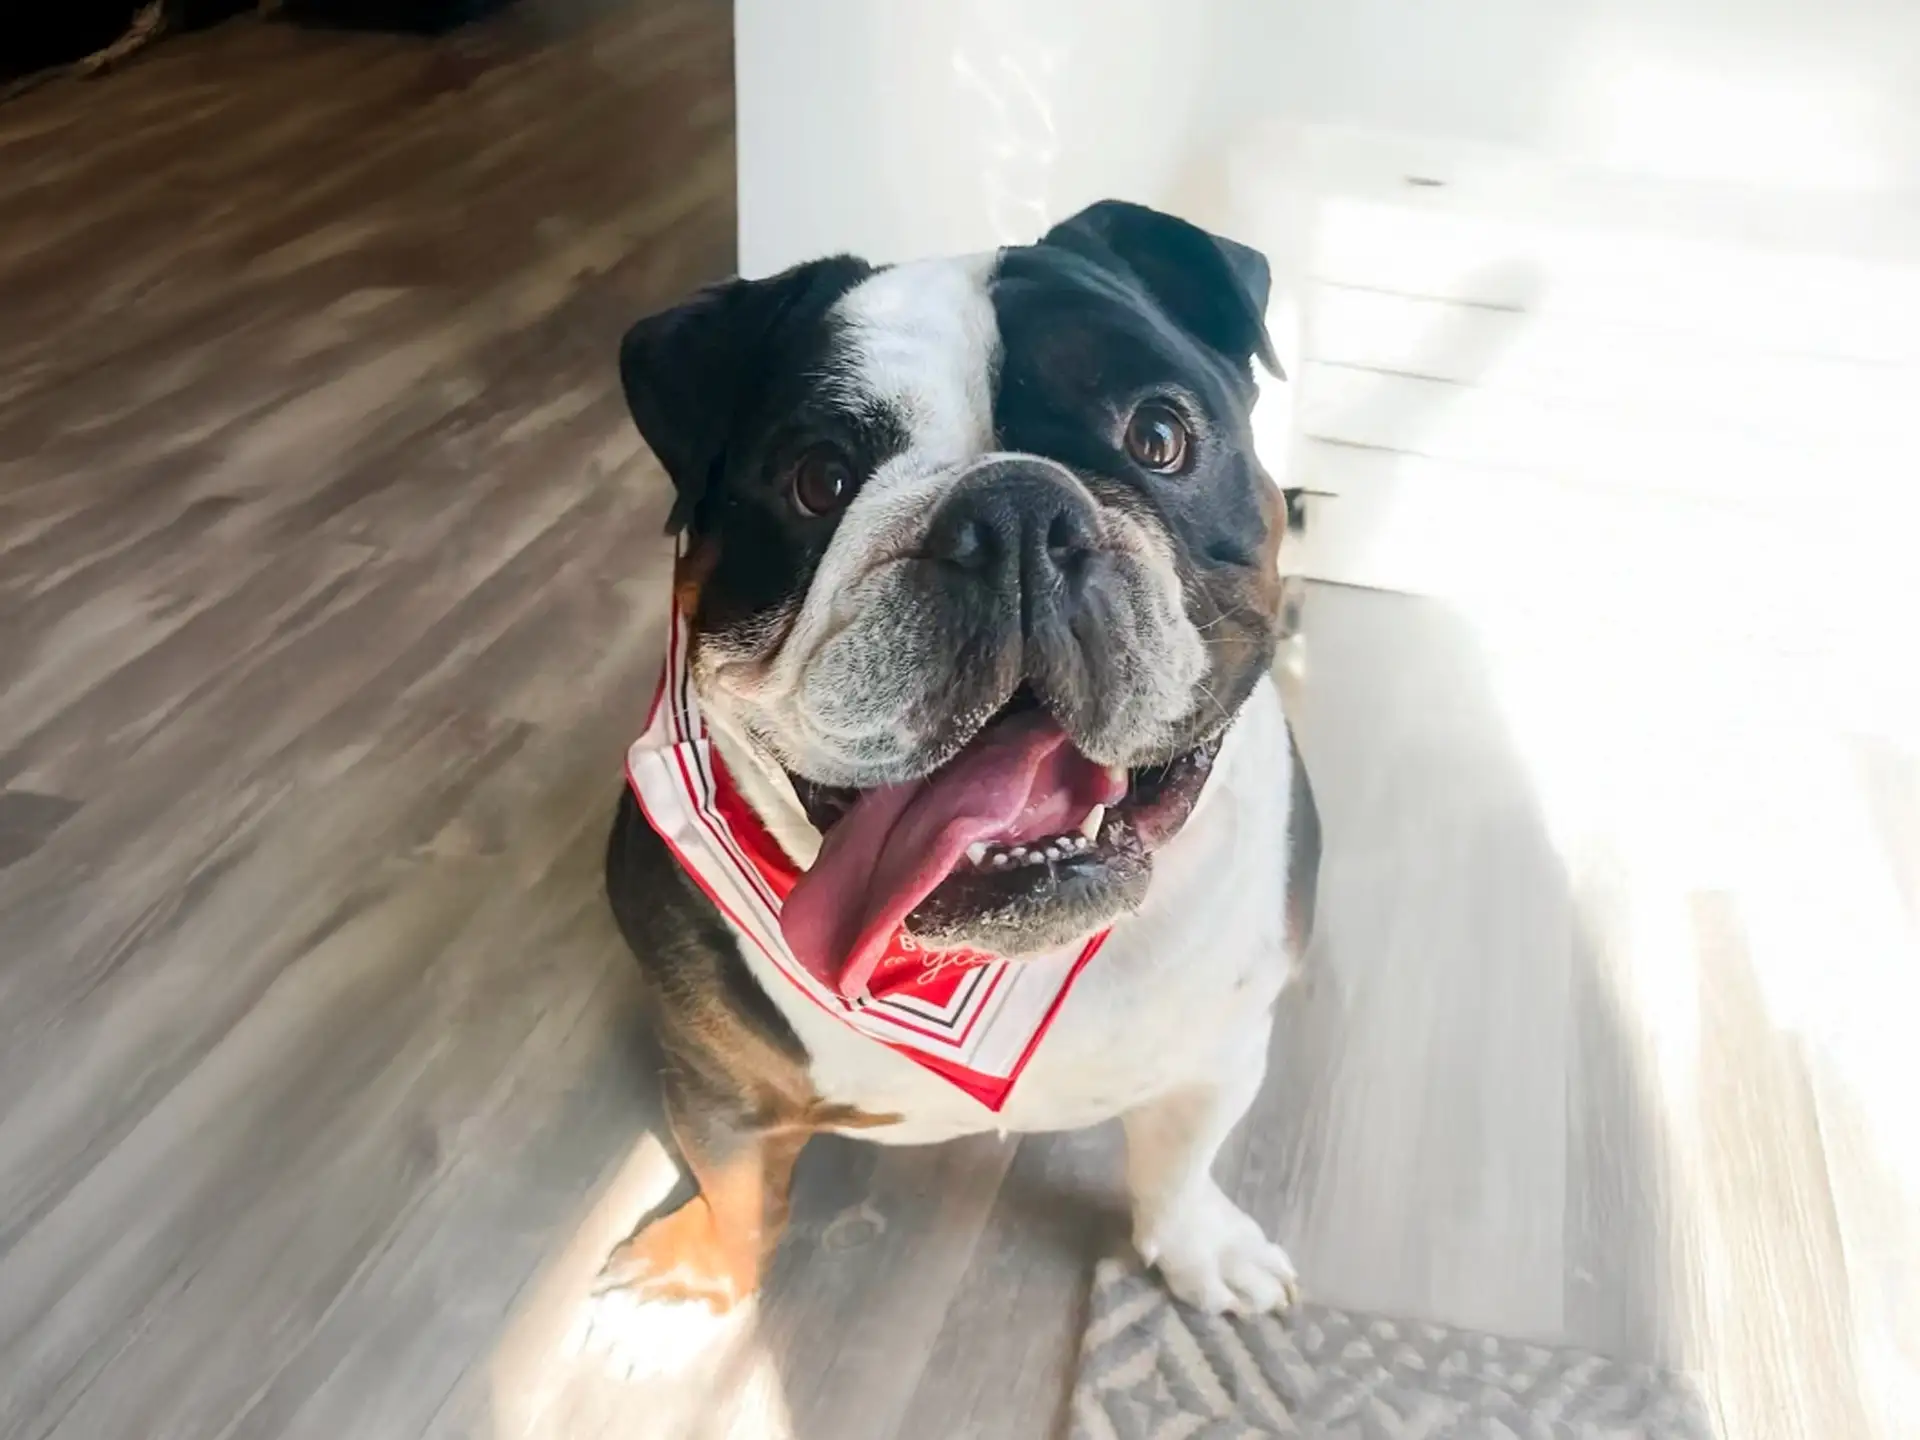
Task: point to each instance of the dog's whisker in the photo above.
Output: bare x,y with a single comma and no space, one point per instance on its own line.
1217,705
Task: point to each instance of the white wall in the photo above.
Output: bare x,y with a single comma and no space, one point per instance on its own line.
899,129
907,128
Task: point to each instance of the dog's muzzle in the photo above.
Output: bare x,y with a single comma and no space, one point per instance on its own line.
1018,536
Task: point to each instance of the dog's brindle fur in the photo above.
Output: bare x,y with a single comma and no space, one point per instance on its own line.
791,615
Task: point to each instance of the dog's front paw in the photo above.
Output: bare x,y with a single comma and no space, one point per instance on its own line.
1214,1256
685,1257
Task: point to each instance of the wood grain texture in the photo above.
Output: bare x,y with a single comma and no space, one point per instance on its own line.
330,576
323,584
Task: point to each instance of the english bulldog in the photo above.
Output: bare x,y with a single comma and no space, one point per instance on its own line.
967,801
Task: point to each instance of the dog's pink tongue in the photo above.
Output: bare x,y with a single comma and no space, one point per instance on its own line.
1018,780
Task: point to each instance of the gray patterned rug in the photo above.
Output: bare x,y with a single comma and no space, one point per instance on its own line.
1151,1369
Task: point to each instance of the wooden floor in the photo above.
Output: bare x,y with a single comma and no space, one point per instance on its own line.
330,576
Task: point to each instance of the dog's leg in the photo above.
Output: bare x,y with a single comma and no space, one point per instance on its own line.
740,1151
1212,1254
713,1248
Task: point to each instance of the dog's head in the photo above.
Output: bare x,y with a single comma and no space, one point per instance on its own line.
978,552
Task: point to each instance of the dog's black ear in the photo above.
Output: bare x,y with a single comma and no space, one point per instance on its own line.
693,374
1215,288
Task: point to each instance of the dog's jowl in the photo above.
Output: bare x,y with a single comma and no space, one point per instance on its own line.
967,801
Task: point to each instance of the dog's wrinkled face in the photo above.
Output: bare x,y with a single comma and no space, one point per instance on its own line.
979,553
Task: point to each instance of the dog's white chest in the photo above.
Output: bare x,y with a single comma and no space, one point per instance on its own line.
1176,986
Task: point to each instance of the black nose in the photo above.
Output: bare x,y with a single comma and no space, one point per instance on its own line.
1018,528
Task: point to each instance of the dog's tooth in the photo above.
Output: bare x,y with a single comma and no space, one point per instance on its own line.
1001,860
1090,827
977,853
1117,774
1019,852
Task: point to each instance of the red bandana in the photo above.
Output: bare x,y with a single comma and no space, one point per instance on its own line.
971,1018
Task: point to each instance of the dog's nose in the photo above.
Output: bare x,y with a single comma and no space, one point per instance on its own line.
1018,526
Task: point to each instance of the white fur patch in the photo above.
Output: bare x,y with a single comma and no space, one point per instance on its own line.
923,341
1215,1256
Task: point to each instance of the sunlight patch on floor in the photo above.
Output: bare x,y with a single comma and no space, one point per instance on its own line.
581,1366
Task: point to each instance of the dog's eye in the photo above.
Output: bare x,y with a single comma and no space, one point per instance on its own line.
822,481
1157,438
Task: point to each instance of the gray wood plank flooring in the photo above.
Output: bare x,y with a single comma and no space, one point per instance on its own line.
330,580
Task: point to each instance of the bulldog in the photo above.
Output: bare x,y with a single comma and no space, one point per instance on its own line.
967,801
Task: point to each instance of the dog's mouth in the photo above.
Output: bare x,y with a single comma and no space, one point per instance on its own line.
1016,825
